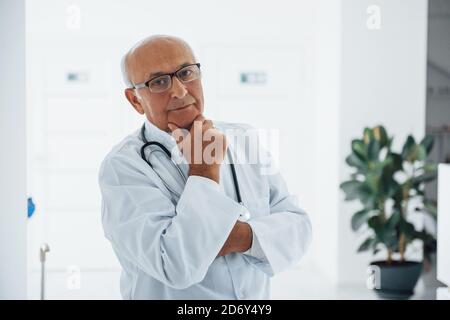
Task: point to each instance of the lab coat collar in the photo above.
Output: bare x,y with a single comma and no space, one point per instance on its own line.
153,133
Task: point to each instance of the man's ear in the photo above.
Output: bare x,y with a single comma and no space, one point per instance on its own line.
134,100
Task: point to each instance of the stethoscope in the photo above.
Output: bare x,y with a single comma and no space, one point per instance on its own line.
168,154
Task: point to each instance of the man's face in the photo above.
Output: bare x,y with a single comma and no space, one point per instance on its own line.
178,105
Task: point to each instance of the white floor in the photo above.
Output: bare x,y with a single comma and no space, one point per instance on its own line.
299,283
305,283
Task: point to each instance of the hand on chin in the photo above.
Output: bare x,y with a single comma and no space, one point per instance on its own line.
184,117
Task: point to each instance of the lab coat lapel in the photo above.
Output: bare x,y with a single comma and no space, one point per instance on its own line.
165,168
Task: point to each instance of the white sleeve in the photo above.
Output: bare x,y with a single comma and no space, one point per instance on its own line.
255,250
285,234
175,245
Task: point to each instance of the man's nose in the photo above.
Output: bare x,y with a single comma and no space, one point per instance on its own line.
178,89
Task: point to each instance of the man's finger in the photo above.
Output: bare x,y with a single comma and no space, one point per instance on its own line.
198,119
177,133
172,126
178,136
207,124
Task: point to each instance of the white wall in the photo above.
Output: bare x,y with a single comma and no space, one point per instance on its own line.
327,96
443,236
438,84
13,197
383,81
73,125
363,78
340,78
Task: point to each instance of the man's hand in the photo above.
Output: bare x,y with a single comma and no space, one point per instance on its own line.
239,240
204,147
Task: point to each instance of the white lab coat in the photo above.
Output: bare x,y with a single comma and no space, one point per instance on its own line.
168,246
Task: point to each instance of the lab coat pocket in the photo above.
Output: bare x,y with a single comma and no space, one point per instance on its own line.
258,207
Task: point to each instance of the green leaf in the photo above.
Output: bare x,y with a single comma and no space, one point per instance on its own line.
350,189
429,242
370,201
407,229
427,142
394,220
409,148
374,222
354,189
354,161
355,175
367,136
424,236
373,182
429,167
366,244
381,136
397,162
421,152
373,150
359,218
423,178
384,234
388,185
359,149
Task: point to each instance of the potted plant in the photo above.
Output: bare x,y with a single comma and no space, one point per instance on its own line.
390,188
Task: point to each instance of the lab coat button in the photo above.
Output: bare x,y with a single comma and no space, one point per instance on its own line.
245,216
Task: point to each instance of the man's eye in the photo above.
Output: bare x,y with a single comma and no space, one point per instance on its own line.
185,73
159,82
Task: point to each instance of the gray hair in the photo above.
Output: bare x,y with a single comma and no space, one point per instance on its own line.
123,68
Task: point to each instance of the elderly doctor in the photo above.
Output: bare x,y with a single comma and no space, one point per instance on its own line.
191,229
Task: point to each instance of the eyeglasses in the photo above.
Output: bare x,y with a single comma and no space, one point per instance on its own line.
163,82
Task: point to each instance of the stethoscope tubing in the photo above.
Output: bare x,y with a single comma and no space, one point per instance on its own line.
169,156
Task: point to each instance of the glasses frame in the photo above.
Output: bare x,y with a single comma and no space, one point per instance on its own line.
172,74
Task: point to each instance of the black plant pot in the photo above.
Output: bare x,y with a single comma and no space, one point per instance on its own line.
397,279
